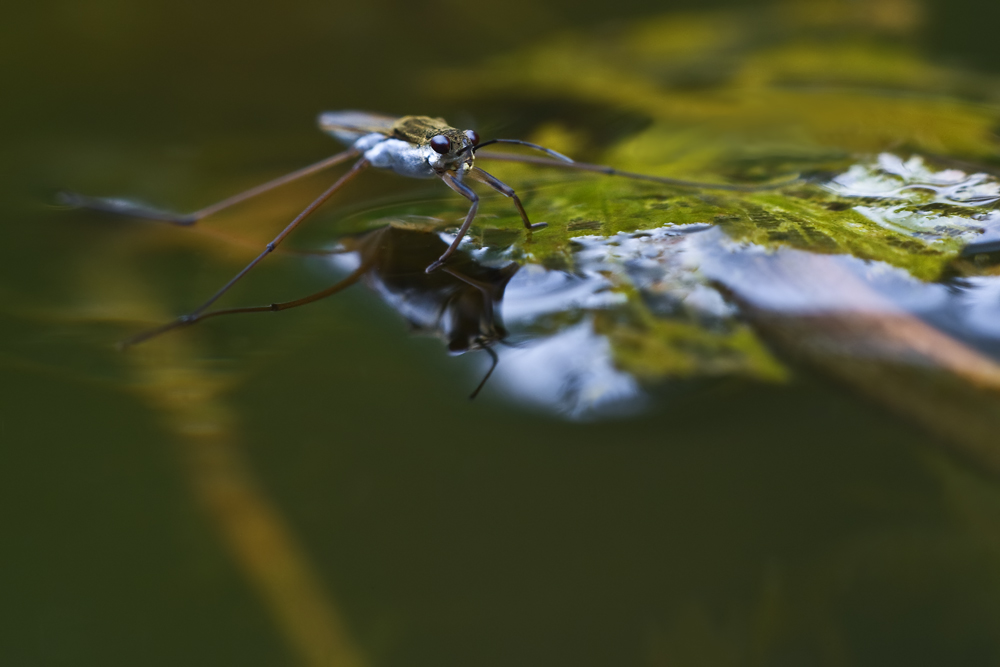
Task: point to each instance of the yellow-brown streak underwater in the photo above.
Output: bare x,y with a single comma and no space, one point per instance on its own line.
191,400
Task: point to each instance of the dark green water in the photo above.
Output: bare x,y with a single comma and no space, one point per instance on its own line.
730,523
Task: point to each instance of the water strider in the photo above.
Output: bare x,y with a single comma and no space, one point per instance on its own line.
413,146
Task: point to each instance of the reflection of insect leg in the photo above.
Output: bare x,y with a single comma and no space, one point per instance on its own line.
120,207
272,308
464,190
496,360
611,171
491,292
358,167
507,191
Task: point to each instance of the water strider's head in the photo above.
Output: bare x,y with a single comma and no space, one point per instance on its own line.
454,149
449,149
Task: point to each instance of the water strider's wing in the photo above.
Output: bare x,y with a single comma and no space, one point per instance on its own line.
349,126
419,129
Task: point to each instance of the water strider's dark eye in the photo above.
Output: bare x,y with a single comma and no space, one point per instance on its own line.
473,137
441,144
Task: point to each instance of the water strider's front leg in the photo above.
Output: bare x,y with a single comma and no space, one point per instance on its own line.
612,171
464,190
507,191
127,208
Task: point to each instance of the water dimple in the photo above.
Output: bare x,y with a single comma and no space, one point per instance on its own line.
912,180
909,197
926,226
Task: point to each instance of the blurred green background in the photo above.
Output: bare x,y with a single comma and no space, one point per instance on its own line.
315,488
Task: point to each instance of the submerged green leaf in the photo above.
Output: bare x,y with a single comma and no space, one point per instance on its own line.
872,153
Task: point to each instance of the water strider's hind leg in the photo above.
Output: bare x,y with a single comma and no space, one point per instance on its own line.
464,190
507,191
194,315
272,308
122,207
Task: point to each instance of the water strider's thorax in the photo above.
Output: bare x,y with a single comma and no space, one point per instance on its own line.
421,147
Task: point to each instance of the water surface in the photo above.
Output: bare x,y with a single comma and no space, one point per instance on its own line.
315,487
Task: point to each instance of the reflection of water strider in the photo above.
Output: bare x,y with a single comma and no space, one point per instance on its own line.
414,146
459,304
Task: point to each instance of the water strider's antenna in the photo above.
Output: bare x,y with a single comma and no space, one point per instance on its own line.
547,151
